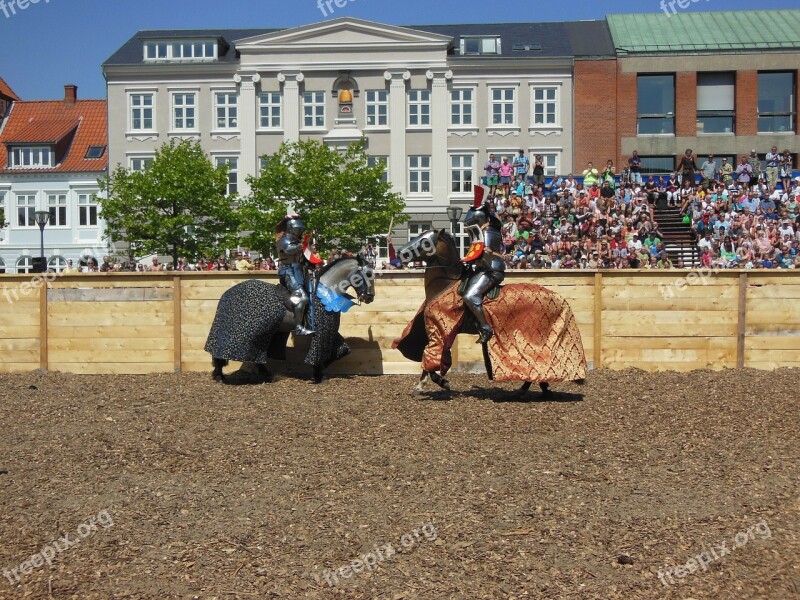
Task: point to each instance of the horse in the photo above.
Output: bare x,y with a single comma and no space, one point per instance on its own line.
252,322
536,334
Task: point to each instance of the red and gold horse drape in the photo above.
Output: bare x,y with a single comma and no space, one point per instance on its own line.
536,337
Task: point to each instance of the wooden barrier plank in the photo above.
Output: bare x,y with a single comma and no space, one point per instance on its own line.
17,344
6,366
130,368
176,323
111,356
31,356
18,318
773,342
43,331
120,331
102,343
675,343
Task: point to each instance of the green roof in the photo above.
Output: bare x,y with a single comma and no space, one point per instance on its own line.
692,31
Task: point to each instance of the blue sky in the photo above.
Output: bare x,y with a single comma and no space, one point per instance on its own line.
53,42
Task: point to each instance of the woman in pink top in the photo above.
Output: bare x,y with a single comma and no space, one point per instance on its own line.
506,171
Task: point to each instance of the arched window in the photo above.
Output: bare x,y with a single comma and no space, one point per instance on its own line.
57,264
24,264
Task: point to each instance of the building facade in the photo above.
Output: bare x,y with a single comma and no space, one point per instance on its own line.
721,83
52,154
432,102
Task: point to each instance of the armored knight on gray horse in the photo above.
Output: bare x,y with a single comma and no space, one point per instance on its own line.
484,260
296,257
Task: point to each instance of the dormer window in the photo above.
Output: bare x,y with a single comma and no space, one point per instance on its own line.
95,152
480,45
196,50
30,157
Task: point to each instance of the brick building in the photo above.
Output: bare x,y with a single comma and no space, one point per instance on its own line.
697,80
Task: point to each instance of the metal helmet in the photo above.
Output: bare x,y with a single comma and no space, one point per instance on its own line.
477,216
295,227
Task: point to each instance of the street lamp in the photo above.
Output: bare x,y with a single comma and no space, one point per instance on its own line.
42,217
454,214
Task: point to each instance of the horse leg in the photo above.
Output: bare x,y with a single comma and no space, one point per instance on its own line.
217,374
422,380
440,381
318,373
525,386
545,387
264,373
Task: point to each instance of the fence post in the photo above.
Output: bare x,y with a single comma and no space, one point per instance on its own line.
598,311
742,321
43,359
176,322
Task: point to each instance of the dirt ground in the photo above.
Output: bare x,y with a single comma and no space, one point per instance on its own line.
172,486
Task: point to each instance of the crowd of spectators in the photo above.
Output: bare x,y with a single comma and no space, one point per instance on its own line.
739,217
239,261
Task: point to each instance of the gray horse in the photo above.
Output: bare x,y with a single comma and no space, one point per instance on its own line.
253,325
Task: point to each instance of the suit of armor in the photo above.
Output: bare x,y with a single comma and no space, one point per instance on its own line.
292,271
486,265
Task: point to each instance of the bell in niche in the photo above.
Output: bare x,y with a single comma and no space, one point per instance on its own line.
345,97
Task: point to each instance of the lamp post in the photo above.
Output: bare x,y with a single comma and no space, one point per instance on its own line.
42,217
454,214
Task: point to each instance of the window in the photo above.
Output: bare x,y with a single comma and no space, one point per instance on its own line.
419,174
658,165
480,45
24,264
87,210
233,172
26,207
313,109
95,152
56,264
419,108
776,101
141,112
418,228
2,266
461,170
461,107
503,106
269,107
377,108
183,111
545,102
3,211
188,50
140,163
656,104
715,102
550,163
225,108
57,205
30,157
383,160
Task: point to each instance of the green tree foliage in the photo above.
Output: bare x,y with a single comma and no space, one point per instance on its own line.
177,206
339,196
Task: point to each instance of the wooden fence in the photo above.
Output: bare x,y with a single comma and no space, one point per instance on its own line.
150,323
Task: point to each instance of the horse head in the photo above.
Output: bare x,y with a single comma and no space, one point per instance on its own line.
347,272
422,247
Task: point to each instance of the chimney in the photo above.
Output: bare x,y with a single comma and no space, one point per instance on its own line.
70,94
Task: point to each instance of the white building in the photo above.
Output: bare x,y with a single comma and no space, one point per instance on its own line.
52,154
432,101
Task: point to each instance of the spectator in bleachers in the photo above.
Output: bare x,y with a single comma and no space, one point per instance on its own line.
635,168
687,167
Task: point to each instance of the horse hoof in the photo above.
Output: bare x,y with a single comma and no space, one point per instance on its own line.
580,382
218,378
545,387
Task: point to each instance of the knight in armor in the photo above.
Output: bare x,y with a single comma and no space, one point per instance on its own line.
484,262
295,259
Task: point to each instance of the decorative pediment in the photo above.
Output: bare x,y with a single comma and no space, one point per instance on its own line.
343,33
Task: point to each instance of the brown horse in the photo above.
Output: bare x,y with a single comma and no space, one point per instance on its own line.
536,335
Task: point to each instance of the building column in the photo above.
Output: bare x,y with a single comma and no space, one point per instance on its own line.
398,168
439,120
291,105
248,159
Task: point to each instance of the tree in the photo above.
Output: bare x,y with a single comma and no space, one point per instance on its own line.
177,206
338,194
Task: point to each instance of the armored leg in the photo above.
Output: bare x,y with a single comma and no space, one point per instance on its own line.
299,301
473,300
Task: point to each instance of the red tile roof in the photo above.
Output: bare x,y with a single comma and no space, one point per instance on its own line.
5,90
50,120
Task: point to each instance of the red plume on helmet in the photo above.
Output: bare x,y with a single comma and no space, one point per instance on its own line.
481,194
